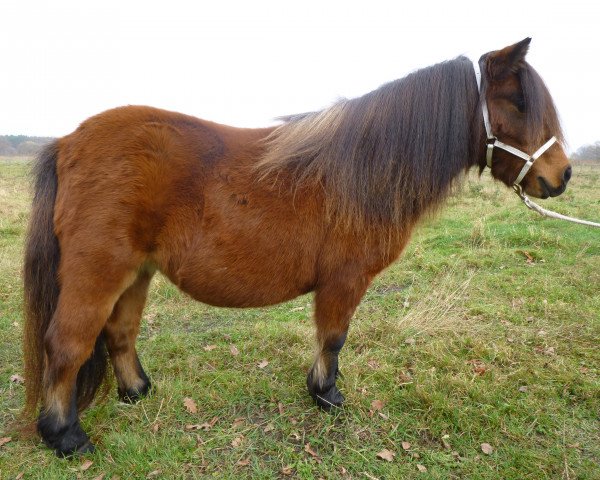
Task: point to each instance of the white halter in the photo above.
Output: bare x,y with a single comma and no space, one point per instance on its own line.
492,141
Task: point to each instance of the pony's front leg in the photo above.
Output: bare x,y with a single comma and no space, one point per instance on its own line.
335,303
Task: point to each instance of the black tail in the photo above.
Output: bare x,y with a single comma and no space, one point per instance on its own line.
42,288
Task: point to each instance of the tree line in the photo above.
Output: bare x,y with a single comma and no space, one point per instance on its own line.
589,153
22,145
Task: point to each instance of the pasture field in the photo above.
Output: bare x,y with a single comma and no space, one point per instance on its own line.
487,331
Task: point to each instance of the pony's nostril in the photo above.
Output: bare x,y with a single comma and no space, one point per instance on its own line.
567,174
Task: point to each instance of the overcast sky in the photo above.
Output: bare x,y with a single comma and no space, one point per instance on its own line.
244,63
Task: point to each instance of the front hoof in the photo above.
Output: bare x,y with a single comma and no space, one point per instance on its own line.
134,395
328,398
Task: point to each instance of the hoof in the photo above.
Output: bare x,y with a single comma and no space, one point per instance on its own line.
328,398
66,441
134,395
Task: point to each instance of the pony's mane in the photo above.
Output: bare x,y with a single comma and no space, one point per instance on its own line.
388,157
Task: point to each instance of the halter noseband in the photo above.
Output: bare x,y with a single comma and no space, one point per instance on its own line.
492,141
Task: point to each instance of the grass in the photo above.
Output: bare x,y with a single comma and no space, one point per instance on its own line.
486,331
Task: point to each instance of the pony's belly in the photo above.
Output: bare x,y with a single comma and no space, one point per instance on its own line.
251,280
231,288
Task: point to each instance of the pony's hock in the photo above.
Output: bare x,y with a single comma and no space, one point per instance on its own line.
329,200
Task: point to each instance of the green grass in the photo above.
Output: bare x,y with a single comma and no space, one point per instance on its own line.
446,338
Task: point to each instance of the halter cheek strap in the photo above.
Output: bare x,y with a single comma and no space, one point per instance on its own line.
492,141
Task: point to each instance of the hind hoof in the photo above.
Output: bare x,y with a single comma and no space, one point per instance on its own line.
66,441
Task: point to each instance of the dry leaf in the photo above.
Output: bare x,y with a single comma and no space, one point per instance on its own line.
85,465
527,256
287,470
295,435
20,476
343,471
155,427
233,349
376,405
190,405
4,440
154,473
280,408
237,422
445,442
237,441
263,364
421,468
405,445
384,416
386,455
523,388
209,348
268,428
312,453
100,477
410,341
243,463
487,448
374,364
16,378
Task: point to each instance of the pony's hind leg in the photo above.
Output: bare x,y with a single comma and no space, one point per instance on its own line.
335,303
75,351
121,332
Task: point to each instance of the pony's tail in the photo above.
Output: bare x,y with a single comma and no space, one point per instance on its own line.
40,274
42,288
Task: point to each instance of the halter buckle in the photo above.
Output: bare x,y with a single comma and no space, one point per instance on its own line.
491,142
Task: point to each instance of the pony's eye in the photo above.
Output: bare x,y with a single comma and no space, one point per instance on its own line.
519,102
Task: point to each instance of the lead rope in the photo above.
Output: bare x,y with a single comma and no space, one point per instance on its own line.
549,213
492,142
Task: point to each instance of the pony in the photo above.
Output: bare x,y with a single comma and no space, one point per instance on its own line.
237,217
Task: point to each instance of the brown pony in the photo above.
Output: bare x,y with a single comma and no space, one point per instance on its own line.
245,218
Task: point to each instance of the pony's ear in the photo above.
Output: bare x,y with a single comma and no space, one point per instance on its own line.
508,60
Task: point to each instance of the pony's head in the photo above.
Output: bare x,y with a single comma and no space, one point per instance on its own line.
522,115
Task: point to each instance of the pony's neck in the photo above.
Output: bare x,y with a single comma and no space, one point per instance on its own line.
388,157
